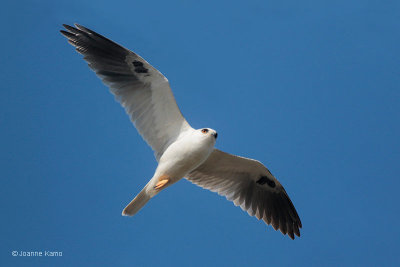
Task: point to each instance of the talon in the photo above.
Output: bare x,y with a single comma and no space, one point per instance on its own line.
161,183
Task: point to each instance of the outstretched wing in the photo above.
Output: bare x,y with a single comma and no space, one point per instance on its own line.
141,89
250,185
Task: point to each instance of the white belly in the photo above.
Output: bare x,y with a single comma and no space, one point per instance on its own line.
183,156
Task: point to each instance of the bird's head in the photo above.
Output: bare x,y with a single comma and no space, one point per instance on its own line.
208,133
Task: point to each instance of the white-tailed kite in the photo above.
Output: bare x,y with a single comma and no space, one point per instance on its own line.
180,150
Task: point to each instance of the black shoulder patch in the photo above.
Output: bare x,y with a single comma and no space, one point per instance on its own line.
265,180
139,67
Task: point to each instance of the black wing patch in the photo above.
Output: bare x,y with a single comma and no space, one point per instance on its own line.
139,68
265,180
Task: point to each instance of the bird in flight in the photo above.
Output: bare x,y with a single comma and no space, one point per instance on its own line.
181,151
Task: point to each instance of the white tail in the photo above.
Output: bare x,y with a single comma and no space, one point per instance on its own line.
137,203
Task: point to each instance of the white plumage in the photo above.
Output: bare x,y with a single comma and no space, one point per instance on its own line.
180,150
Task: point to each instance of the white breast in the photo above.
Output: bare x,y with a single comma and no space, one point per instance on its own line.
185,154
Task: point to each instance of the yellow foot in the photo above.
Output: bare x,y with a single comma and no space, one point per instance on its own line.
161,182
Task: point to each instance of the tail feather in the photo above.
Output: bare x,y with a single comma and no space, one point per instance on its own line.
137,203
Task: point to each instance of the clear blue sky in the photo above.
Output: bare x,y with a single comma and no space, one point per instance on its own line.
311,89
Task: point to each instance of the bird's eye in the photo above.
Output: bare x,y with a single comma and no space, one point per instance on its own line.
204,131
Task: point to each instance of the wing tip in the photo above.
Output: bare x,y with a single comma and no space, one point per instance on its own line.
80,27
67,34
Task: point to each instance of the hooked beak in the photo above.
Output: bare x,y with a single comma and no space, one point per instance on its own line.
215,135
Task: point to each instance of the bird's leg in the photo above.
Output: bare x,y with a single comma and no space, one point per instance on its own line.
162,182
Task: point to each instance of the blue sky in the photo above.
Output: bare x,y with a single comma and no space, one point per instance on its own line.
309,88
